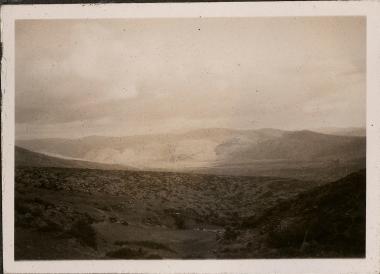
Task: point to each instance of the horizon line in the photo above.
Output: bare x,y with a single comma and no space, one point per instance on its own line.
197,129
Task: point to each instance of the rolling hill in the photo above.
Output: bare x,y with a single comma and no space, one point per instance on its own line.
27,158
299,145
220,151
325,221
350,131
95,210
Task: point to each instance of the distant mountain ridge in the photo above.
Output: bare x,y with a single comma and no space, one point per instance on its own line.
88,147
213,149
307,145
351,131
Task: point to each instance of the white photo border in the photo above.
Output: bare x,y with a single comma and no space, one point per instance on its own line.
370,10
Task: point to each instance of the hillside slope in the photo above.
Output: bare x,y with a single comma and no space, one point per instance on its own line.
327,221
304,145
71,213
351,131
219,151
27,158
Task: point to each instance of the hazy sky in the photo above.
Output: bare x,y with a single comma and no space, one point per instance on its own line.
123,77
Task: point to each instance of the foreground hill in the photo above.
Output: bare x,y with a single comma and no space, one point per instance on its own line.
326,221
301,154
27,158
71,213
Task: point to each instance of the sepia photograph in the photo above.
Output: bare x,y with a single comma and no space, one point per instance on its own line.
190,138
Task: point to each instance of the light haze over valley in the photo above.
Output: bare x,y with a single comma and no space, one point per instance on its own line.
190,138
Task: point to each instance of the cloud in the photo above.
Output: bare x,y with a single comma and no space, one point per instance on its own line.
166,74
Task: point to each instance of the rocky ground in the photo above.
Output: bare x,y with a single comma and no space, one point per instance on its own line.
65,213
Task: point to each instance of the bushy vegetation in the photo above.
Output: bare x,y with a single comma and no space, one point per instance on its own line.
147,244
240,216
127,253
84,232
230,234
179,221
325,222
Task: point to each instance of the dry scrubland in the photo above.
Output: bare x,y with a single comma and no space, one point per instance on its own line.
69,213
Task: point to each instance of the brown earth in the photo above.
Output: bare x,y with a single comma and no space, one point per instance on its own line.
66,213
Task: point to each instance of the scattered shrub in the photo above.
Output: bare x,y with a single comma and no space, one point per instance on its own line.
48,226
179,221
126,253
153,256
20,207
230,234
147,244
84,232
112,219
124,222
292,236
